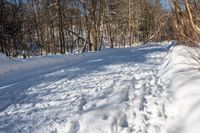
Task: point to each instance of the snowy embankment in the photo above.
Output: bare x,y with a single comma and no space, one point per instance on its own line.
12,64
181,72
141,89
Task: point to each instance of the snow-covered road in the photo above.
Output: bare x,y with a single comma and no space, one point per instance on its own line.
111,91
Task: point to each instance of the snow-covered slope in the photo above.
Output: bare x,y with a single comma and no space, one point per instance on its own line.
145,89
182,74
13,64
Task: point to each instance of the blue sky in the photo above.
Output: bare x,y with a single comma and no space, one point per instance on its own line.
165,4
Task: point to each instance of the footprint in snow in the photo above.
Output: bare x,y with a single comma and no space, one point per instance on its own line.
123,121
105,117
74,127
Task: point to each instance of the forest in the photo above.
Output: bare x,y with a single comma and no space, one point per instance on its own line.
42,27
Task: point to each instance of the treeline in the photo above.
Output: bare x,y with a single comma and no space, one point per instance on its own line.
37,27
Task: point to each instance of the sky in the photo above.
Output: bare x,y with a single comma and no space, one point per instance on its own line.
165,4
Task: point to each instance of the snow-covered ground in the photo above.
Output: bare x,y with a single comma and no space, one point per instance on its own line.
144,89
182,74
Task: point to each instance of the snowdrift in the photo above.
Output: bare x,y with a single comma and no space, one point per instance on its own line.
182,74
10,64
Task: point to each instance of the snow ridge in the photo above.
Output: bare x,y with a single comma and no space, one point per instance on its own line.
181,72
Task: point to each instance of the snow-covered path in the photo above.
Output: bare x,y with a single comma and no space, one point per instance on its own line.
109,91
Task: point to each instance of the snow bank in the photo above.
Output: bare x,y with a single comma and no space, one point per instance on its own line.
181,71
10,64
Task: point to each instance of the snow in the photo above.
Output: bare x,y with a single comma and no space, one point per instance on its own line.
10,64
181,72
144,89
